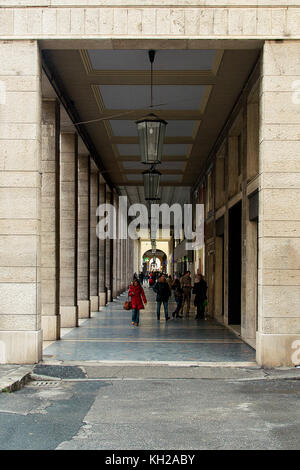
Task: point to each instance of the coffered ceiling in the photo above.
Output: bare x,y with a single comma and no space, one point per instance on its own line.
194,91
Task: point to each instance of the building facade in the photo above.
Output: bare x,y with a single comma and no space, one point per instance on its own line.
53,268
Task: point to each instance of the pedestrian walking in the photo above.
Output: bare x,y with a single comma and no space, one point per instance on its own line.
141,278
138,299
178,293
162,296
186,285
200,288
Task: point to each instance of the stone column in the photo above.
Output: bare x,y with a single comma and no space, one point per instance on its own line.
101,272
115,262
68,230
83,300
20,194
108,255
94,299
278,337
50,220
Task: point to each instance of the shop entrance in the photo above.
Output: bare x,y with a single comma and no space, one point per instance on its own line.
234,264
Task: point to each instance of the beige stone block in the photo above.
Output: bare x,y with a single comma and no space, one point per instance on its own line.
281,325
20,22
77,21
148,21
284,132
6,21
281,58
68,316
21,83
91,20
279,108
83,308
206,21
18,274
106,20
94,301
14,131
50,327
21,347
49,21
18,299
102,300
163,25
281,253
293,21
48,290
17,179
120,25
221,21
18,250
135,21
25,203
63,21
48,309
281,180
177,21
192,22
286,228
235,21
13,152
280,277
280,156
277,350
17,322
34,21
19,58
279,21
280,204
20,107
264,21
280,301
249,22
15,227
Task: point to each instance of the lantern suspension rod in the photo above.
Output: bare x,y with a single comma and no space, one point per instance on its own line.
151,58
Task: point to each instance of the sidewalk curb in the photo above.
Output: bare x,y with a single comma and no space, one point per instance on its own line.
15,380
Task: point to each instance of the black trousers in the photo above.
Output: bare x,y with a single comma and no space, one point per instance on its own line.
200,310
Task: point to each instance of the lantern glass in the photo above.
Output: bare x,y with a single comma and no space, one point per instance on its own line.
151,184
151,132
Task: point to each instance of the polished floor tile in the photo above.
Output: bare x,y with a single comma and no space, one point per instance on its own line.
109,336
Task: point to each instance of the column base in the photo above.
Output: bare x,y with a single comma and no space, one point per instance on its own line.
102,299
108,295
51,327
21,347
94,301
277,350
68,317
83,308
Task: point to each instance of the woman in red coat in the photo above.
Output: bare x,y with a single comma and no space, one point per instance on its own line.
137,294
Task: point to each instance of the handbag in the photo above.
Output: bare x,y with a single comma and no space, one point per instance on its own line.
127,305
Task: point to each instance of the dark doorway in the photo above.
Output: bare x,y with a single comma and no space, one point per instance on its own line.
234,264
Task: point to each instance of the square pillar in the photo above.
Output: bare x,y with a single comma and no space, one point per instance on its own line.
94,299
83,300
20,198
108,255
278,336
68,230
50,220
101,263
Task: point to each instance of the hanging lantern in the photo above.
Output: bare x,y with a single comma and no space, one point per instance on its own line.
151,129
151,132
151,184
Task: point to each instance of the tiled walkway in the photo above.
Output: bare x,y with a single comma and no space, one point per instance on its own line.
109,336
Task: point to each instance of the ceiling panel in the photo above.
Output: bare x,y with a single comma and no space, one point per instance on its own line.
169,149
174,128
164,59
181,97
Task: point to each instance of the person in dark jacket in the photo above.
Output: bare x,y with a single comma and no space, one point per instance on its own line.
200,288
136,292
162,296
178,294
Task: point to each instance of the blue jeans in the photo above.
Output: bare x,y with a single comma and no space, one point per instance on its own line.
135,315
178,301
158,304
